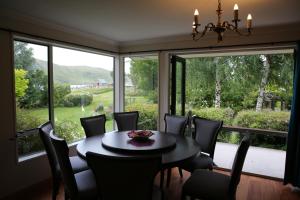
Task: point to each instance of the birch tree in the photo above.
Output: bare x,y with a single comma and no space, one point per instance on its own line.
264,80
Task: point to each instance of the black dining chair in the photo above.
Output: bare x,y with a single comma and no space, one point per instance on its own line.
126,121
125,177
77,163
174,125
81,185
205,184
94,125
206,133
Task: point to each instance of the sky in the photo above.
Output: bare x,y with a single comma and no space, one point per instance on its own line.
70,57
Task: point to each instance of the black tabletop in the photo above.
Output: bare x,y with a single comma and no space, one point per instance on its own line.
185,148
119,141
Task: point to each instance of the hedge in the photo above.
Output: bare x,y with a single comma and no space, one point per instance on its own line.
148,114
225,114
266,119
72,100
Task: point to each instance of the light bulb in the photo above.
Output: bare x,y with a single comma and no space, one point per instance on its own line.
236,7
196,12
249,17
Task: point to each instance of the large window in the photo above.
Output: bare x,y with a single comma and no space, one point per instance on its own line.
31,91
83,86
141,89
251,92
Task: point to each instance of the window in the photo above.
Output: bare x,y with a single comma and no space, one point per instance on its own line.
141,89
83,86
31,92
251,92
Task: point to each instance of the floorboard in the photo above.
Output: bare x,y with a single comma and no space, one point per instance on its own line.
250,188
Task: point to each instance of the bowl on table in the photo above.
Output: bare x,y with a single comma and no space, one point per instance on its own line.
140,135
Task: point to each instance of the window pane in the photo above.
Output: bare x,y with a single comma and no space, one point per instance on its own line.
31,91
83,86
141,91
245,91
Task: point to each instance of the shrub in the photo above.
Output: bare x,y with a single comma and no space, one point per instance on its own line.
72,100
272,120
147,115
25,121
225,114
60,91
69,130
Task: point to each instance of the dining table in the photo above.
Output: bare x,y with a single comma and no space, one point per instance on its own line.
174,149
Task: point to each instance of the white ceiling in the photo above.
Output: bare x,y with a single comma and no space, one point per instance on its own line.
132,20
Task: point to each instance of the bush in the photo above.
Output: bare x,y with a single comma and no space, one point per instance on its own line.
147,115
72,100
60,91
69,130
26,121
272,120
225,114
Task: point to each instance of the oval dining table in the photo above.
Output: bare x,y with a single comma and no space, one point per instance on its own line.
117,144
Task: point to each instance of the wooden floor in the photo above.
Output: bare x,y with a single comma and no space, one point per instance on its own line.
250,188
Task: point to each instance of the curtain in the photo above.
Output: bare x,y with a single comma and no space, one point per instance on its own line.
292,164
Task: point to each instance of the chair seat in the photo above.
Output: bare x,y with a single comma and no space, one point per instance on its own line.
86,184
78,164
207,185
200,162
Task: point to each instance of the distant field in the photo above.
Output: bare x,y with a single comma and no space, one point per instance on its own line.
102,96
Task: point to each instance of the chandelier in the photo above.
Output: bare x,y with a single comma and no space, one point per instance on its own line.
221,26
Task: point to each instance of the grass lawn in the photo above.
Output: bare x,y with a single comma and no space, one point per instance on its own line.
104,97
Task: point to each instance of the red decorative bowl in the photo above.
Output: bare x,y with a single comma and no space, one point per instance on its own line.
140,135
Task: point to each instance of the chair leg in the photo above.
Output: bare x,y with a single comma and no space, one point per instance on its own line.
66,196
169,176
182,196
180,172
162,175
55,187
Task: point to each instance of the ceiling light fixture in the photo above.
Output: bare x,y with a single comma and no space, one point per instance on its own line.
221,27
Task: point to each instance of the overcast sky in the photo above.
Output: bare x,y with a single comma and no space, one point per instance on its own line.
69,57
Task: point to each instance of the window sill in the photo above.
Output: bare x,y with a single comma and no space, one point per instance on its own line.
24,158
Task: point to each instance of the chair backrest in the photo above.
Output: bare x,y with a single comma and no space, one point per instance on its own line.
94,125
127,121
238,165
175,124
124,177
62,153
206,133
44,132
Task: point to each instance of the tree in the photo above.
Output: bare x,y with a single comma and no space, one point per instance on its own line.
23,56
21,83
37,91
264,80
143,74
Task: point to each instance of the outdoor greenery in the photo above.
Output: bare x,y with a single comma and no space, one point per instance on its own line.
251,91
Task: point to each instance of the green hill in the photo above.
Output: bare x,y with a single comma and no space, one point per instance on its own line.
76,75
